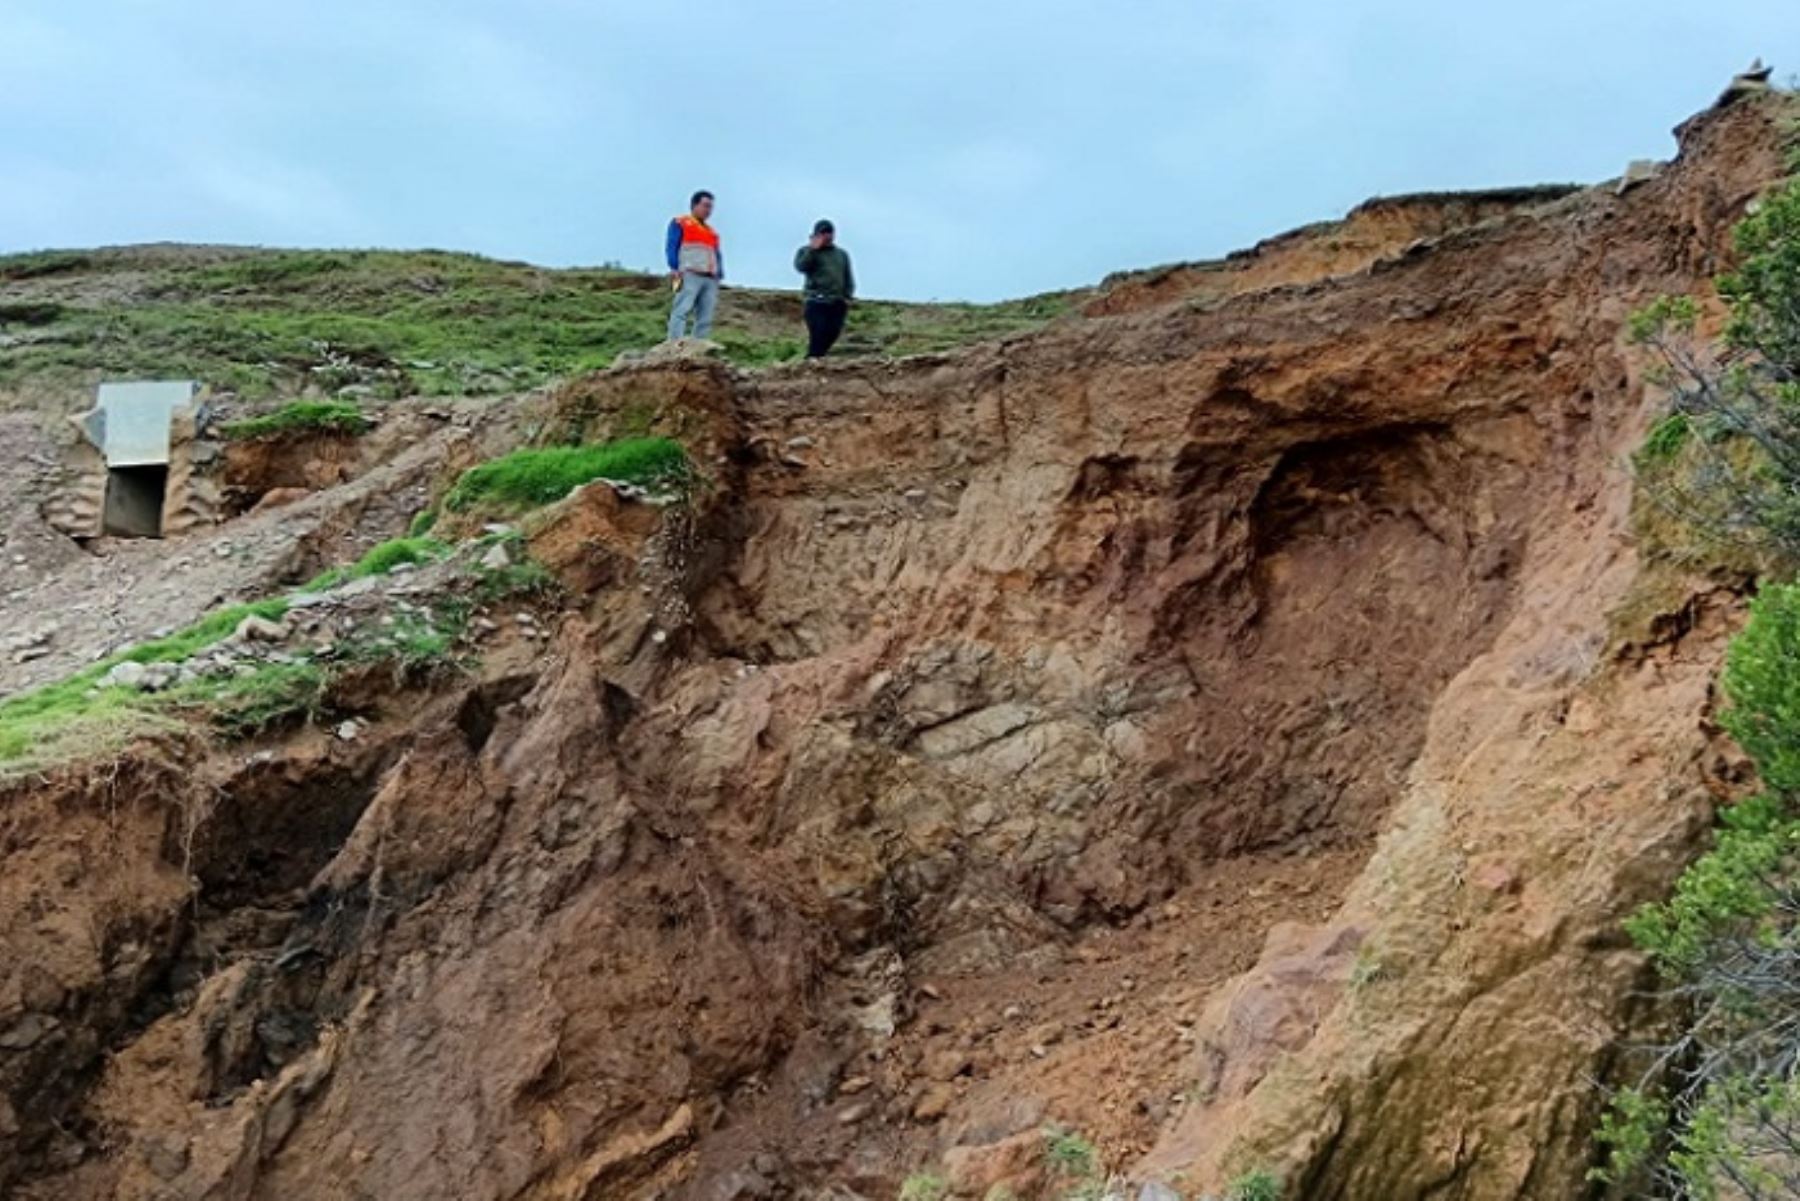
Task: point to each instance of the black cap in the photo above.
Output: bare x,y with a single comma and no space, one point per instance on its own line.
822,226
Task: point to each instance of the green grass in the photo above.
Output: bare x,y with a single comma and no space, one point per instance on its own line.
242,705
301,417
397,323
379,560
43,724
924,1186
527,479
82,717
1258,1185
1069,1154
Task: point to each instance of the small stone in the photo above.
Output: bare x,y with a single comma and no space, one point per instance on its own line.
850,1115
1495,877
259,629
158,676
1011,1013
915,494
165,1157
1156,1190
798,442
853,1085
948,1065
659,636
347,731
223,550
28,1031
933,1103
127,675
498,558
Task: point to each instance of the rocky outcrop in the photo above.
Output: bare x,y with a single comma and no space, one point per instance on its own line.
1200,728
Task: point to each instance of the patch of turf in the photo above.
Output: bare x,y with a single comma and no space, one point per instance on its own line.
527,479
379,560
301,417
241,705
36,725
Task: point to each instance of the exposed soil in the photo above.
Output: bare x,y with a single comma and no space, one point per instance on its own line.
1200,728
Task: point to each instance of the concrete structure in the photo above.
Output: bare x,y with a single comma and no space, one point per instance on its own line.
135,465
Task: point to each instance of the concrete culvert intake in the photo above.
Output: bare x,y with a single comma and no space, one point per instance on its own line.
134,500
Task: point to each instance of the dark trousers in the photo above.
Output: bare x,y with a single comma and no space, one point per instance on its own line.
824,322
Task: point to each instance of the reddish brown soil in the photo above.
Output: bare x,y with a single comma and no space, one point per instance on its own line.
1200,728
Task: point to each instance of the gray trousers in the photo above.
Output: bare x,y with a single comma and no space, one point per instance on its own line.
699,295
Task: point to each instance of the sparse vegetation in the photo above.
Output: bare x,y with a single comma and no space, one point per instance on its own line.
46,723
1727,460
529,478
1257,1185
1717,1111
85,714
301,417
1068,1154
242,705
380,560
391,323
924,1186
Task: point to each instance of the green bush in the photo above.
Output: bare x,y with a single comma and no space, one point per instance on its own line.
1717,1112
1739,482
1665,440
527,479
1762,682
301,417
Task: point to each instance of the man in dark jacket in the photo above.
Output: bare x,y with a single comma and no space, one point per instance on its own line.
829,288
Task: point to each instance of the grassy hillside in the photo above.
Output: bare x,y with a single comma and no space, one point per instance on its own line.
390,323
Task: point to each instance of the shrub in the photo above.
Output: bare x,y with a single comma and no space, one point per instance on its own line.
1717,1111
527,479
1762,681
1741,476
301,417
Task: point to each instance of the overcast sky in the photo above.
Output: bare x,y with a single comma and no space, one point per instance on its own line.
966,148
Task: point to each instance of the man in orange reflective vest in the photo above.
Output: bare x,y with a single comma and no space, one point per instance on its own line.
696,266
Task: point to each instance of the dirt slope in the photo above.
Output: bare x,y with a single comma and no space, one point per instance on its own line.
1202,728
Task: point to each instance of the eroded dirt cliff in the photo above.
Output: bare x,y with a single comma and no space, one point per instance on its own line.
1207,729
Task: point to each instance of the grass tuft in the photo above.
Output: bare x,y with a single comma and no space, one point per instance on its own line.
379,560
527,479
301,417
